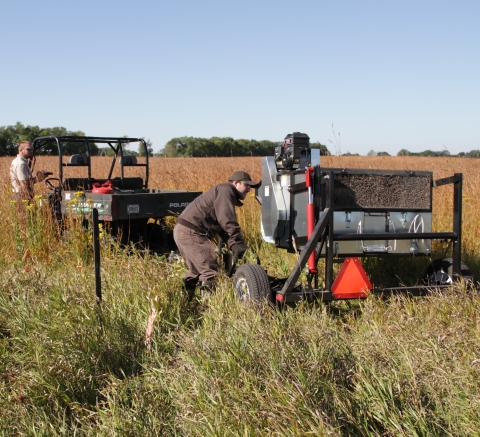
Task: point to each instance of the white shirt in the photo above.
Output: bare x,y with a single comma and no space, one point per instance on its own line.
19,171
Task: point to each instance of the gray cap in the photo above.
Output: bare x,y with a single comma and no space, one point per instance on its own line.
245,177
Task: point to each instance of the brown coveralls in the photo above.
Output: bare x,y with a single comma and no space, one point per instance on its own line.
210,214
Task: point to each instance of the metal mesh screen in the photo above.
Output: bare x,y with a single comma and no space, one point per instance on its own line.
382,191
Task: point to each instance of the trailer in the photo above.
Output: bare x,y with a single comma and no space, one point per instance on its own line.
133,212
341,215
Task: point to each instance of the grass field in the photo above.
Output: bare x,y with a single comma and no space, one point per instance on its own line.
215,367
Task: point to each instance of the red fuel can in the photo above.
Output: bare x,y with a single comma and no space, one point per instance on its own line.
106,188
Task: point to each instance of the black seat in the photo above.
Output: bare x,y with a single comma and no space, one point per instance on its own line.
77,184
129,160
79,160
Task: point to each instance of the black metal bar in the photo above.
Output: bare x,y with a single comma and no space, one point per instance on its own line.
329,253
112,166
60,166
397,236
340,258
445,181
80,138
233,265
96,254
122,176
457,224
324,296
302,186
89,170
411,291
146,163
327,296
308,249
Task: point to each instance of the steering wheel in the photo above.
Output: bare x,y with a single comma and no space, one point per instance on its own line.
49,183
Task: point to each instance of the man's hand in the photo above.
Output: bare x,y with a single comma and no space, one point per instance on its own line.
41,175
239,250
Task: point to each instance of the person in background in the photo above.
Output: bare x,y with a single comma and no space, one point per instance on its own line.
21,176
210,214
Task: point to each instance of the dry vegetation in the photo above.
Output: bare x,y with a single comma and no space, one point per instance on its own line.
203,173
68,366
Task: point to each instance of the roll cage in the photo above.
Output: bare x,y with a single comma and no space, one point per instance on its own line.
116,144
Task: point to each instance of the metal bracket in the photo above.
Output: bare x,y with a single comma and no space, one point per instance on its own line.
307,251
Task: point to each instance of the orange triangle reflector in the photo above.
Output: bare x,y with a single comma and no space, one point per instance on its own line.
352,282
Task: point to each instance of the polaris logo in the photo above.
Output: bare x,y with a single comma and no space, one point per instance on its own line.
179,205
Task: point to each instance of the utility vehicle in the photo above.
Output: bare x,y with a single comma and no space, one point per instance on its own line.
134,212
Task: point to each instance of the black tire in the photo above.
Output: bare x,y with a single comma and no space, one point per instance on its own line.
440,272
252,284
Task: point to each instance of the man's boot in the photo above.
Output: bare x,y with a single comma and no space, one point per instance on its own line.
189,286
208,285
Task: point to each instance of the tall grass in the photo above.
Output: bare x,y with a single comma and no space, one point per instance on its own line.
216,367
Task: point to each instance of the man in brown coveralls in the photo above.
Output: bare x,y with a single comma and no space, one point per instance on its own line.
211,214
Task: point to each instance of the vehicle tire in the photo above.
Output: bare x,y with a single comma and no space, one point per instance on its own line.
440,272
252,284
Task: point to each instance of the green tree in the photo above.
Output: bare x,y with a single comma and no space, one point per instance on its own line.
223,146
473,154
176,147
244,147
141,149
9,139
10,136
323,148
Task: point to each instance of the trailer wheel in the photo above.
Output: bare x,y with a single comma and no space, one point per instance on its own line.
252,284
440,272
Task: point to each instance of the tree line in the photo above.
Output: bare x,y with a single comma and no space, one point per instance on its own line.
10,136
224,146
443,153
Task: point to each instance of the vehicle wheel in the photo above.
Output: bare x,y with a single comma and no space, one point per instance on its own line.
440,272
252,284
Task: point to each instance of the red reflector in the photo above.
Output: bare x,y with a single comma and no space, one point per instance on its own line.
352,282
279,297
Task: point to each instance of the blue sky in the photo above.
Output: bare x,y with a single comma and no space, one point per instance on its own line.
386,75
